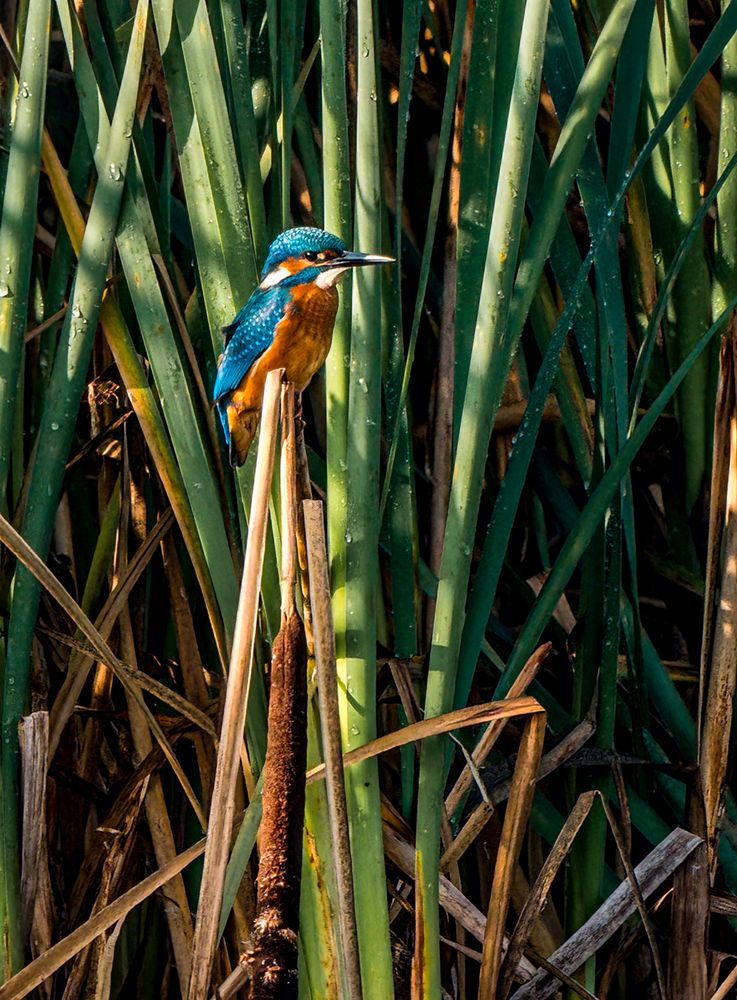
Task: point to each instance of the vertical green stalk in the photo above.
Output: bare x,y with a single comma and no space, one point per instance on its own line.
400,521
725,251
338,219
584,880
287,44
432,219
19,218
497,28
211,111
16,255
690,294
244,121
209,170
357,672
483,391
319,928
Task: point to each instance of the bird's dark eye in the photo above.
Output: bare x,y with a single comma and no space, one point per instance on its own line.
310,255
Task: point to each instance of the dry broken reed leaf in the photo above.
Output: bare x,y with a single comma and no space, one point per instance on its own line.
478,818
80,665
105,964
573,985
168,695
34,744
569,745
22,551
724,905
21,984
725,988
535,901
117,838
513,830
36,893
190,661
539,893
652,871
177,912
491,734
458,719
687,971
402,854
622,848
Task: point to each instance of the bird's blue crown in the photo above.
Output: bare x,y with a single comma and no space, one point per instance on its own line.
295,242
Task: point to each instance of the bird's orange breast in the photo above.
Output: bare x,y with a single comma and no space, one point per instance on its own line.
301,344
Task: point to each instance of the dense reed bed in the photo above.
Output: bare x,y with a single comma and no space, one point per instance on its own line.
517,559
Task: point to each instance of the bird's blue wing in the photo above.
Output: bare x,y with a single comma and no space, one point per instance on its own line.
248,336
246,339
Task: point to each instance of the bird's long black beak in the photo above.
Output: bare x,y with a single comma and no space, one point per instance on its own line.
353,258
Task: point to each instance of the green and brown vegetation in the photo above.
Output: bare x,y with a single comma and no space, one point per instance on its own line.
525,441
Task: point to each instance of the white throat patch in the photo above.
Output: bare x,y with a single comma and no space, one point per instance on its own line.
274,277
326,279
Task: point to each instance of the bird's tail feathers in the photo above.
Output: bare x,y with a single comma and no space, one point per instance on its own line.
221,405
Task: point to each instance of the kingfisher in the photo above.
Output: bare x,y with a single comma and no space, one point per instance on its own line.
287,323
